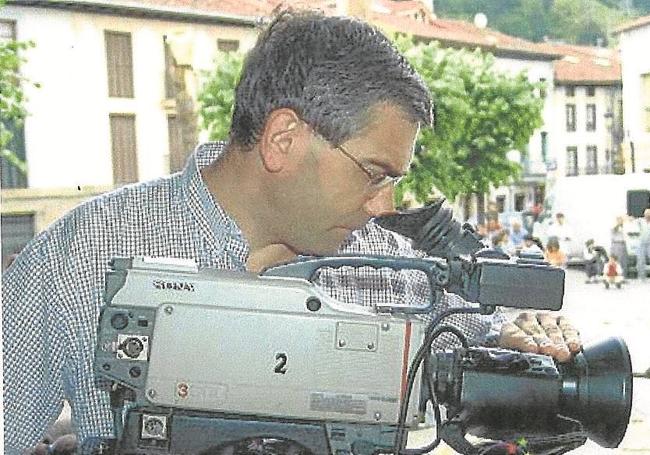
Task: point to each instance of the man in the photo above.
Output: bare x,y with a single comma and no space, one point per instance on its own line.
563,232
643,248
516,237
325,119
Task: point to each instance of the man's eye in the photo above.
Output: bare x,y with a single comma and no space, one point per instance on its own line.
376,179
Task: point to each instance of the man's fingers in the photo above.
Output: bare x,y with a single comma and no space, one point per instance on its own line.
554,336
570,334
512,337
528,323
549,324
541,333
561,353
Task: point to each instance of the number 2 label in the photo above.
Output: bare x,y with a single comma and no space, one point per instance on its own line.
281,365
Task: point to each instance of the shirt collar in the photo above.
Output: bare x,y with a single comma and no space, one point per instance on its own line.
213,220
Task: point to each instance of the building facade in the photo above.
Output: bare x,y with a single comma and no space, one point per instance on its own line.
115,101
634,39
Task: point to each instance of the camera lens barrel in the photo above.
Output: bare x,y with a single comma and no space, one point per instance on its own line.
498,389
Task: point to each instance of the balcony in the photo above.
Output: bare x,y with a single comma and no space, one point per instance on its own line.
533,168
593,170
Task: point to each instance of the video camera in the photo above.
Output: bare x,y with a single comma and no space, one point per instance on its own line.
221,362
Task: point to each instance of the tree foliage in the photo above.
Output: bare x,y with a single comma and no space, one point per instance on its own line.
217,95
481,115
12,97
574,21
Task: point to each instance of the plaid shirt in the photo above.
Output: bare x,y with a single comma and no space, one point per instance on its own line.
52,293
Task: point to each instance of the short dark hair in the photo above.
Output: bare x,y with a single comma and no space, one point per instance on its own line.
330,71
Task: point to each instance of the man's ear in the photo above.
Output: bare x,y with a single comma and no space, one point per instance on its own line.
279,139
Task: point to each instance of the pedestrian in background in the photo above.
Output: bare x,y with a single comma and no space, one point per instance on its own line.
618,246
561,229
500,241
644,244
516,236
554,254
595,257
532,245
613,273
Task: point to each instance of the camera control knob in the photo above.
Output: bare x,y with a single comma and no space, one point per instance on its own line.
132,347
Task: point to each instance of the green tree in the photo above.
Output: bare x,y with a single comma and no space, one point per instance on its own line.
573,21
12,97
583,21
481,115
217,95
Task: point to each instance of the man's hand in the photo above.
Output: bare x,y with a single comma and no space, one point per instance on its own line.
63,445
541,333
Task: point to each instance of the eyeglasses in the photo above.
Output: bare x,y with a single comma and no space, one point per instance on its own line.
376,181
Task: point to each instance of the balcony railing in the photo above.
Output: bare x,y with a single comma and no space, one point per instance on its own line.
593,170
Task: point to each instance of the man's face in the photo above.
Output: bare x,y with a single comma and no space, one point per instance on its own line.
331,195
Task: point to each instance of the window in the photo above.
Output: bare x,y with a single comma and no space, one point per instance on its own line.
591,117
572,161
11,176
592,160
591,91
7,31
125,160
17,231
119,62
570,117
227,45
520,202
539,194
170,71
645,100
501,204
544,136
542,90
177,156
569,91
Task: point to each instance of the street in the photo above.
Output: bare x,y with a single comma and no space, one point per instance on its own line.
600,313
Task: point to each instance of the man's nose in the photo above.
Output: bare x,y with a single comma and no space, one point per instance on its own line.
382,203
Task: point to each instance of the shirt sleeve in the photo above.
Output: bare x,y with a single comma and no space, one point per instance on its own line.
33,349
367,286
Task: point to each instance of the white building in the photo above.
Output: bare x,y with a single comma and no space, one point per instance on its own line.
113,78
587,98
512,56
634,40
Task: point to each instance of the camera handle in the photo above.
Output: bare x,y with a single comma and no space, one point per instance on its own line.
436,270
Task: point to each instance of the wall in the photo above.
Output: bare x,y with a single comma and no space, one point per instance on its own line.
67,130
635,62
592,203
606,100
536,70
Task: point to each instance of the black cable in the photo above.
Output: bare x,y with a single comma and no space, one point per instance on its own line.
428,377
431,334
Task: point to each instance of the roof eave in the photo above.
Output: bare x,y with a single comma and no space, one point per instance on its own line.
149,12
497,51
627,28
600,83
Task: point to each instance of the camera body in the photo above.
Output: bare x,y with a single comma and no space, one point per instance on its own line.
197,360
217,350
